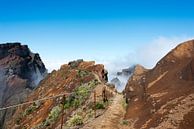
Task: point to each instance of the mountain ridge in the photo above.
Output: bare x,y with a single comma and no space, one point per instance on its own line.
156,98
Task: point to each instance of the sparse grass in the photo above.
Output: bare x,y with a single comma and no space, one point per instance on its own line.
100,105
82,91
31,109
80,95
53,116
75,121
125,122
93,83
55,112
18,120
82,73
24,127
76,99
124,104
90,113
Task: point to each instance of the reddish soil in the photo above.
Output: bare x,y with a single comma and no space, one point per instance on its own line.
163,97
58,82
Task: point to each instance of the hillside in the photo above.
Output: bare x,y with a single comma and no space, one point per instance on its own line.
77,80
163,97
20,72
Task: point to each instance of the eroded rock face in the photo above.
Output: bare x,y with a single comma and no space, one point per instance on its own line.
163,96
20,72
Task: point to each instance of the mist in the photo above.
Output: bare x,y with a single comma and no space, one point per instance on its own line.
37,76
147,55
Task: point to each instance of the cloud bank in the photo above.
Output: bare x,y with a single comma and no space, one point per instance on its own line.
147,55
152,52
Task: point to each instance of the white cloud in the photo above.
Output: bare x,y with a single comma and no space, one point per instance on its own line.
152,52
147,55
118,63
52,64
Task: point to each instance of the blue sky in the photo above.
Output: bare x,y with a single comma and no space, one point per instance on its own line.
108,31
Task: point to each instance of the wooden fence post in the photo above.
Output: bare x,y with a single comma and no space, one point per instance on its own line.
104,95
62,118
94,104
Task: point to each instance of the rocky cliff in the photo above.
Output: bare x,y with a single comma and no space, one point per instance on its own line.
163,97
20,72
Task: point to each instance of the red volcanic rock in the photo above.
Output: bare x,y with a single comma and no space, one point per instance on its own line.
162,97
69,77
20,71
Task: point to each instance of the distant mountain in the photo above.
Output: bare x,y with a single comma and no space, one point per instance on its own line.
126,72
121,78
163,97
20,72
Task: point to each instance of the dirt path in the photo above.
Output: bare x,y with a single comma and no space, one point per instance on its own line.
111,118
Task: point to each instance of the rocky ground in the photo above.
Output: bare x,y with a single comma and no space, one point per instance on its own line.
112,118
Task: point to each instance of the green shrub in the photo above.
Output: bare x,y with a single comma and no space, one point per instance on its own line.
24,127
32,108
75,120
125,122
82,73
82,91
29,110
53,116
47,122
80,95
67,105
124,104
55,112
100,105
76,103
71,101
76,99
93,83
18,120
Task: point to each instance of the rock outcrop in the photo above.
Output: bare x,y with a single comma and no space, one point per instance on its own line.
20,72
163,97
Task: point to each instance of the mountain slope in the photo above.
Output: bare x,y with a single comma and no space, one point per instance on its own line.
20,71
77,80
163,97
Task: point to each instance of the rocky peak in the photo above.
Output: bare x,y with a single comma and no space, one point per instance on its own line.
90,66
20,71
164,95
17,59
138,69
